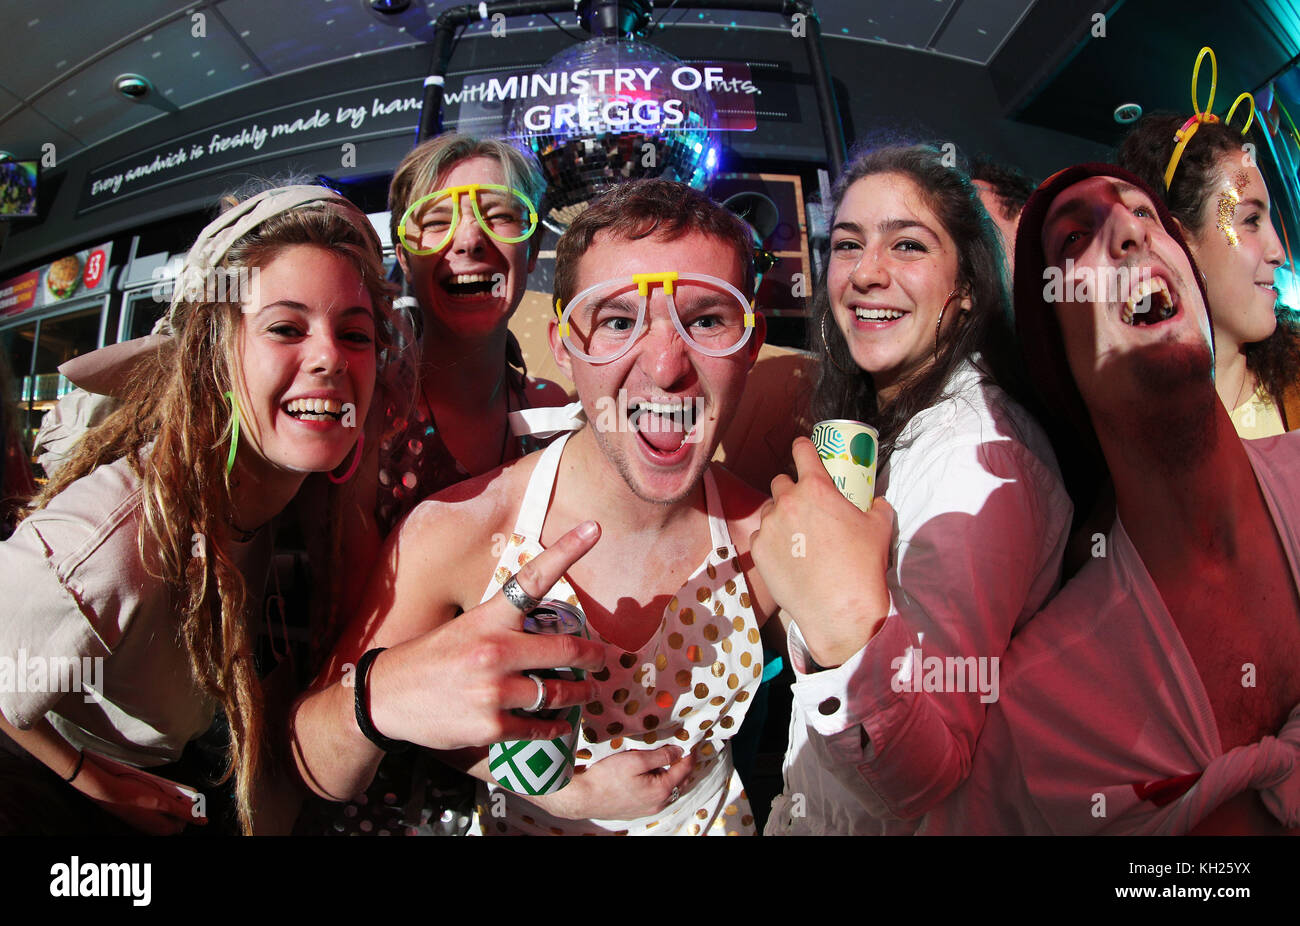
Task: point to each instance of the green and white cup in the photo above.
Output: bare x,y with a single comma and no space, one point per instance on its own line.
848,451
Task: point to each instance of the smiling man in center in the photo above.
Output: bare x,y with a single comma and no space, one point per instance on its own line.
653,283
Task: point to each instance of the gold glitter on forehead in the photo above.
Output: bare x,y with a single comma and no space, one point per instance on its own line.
1229,199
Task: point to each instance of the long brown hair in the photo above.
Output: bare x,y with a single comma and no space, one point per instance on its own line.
845,391
172,427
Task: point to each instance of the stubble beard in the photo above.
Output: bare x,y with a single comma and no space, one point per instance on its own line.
623,466
1170,437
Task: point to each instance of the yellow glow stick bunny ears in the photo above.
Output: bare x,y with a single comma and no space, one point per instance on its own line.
1184,135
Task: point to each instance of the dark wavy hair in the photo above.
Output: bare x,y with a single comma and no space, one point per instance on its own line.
1012,187
845,391
1275,361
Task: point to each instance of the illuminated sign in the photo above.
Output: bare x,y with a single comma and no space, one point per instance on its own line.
84,273
603,86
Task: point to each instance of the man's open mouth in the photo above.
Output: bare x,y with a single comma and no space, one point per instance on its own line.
665,425
469,284
1149,303
315,409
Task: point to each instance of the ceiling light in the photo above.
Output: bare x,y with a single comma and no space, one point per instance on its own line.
1128,112
132,86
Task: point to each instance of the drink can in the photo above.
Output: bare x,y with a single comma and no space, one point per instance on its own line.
848,451
543,766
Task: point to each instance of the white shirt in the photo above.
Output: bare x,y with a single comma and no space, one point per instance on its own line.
1103,714
75,589
983,519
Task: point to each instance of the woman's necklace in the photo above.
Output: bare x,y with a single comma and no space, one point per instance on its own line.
1247,380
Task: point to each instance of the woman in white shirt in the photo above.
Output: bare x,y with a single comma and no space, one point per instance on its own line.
894,671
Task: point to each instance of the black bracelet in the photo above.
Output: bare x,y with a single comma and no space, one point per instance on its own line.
362,706
81,758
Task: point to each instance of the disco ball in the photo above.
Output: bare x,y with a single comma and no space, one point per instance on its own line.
591,125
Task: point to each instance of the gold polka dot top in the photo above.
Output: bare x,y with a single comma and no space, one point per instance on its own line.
690,685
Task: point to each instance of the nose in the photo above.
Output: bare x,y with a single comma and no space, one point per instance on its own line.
868,272
1274,255
468,237
664,356
1123,230
326,357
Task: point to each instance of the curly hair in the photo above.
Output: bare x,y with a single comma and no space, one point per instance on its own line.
1146,151
172,421
845,391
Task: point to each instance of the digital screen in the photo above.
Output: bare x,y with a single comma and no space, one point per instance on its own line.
17,189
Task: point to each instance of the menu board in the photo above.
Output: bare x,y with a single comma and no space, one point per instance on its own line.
84,273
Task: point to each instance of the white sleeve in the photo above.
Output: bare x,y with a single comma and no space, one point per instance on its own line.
982,527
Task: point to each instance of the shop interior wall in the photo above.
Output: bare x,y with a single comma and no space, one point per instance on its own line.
882,92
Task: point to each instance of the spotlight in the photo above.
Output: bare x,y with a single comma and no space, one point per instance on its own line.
390,7
1128,112
132,86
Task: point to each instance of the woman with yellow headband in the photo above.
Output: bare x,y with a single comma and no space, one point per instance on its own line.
1215,191
132,584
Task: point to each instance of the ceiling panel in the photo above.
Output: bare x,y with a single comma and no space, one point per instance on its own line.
8,101
25,132
1126,66
977,30
182,67
286,37
47,40
898,22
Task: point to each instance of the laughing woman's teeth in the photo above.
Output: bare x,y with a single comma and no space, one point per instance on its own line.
314,409
471,284
877,315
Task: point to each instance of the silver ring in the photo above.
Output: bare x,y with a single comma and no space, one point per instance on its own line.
517,596
677,792
540,703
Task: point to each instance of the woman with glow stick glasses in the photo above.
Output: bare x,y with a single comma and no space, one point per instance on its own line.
464,223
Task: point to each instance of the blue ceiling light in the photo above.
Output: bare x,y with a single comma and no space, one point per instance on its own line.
1127,112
